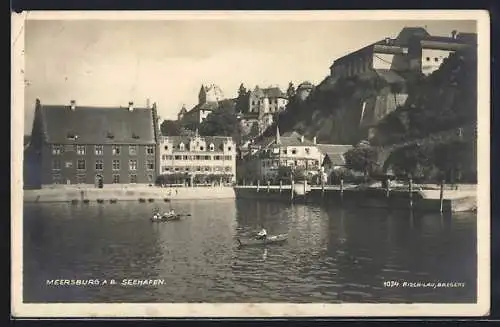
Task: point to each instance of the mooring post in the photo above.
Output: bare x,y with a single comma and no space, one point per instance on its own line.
441,196
292,190
322,187
342,189
258,185
387,187
410,191
281,186
268,186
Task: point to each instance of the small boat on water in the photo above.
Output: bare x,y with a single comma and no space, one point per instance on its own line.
158,218
272,239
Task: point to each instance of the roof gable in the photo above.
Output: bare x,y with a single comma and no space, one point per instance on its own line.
97,125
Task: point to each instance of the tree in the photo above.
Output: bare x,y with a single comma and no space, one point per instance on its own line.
170,128
290,92
221,122
254,130
242,99
412,160
362,158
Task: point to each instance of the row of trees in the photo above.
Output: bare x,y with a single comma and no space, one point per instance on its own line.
453,161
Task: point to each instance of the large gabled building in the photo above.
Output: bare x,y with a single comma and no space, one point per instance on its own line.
92,146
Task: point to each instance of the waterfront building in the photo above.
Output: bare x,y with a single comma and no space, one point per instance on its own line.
293,150
414,49
332,158
197,157
92,146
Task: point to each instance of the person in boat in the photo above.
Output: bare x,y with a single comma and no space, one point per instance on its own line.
170,213
262,235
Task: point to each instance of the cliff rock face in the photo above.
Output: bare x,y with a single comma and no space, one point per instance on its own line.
387,110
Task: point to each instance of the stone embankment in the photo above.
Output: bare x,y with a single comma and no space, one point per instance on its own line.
146,194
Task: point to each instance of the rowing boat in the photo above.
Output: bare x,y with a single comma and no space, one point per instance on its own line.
274,239
168,217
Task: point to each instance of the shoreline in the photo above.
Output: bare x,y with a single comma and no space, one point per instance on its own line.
138,194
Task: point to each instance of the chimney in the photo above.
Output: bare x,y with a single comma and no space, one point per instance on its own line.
73,104
130,106
387,40
454,34
314,140
302,139
147,103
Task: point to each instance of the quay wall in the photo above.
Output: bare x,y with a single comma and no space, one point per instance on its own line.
130,194
369,198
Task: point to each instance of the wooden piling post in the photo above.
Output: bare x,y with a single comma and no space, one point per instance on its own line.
410,191
281,186
292,190
441,196
322,187
258,185
387,188
268,186
341,189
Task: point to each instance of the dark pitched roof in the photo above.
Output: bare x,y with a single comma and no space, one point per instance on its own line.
334,152
97,125
216,140
204,106
270,92
287,139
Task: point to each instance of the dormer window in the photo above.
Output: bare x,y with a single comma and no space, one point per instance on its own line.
212,147
71,136
181,146
110,135
135,136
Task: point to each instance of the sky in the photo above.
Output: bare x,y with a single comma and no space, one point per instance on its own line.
109,63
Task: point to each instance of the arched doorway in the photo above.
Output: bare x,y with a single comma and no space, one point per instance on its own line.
99,181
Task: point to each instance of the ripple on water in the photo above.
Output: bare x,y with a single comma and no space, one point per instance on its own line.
332,255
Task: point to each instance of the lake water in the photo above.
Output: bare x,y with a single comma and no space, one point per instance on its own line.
332,255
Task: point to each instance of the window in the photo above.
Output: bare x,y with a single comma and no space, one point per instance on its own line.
201,148
187,169
307,150
428,59
284,151
116,150
57,149
132,150
181,146
80,150
212,147
81,179
99,150
68,164
208,157
56,164
198,168
207,168
197,157
99,165
217,157
150,178
170,157
133,179
165,168
163,157
227,168
227,157
166,147
177,157
56,179
228,148
294,151
116,164
150,164
132,165
176,169
150,149
80,164
436,59
184,157
116,179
